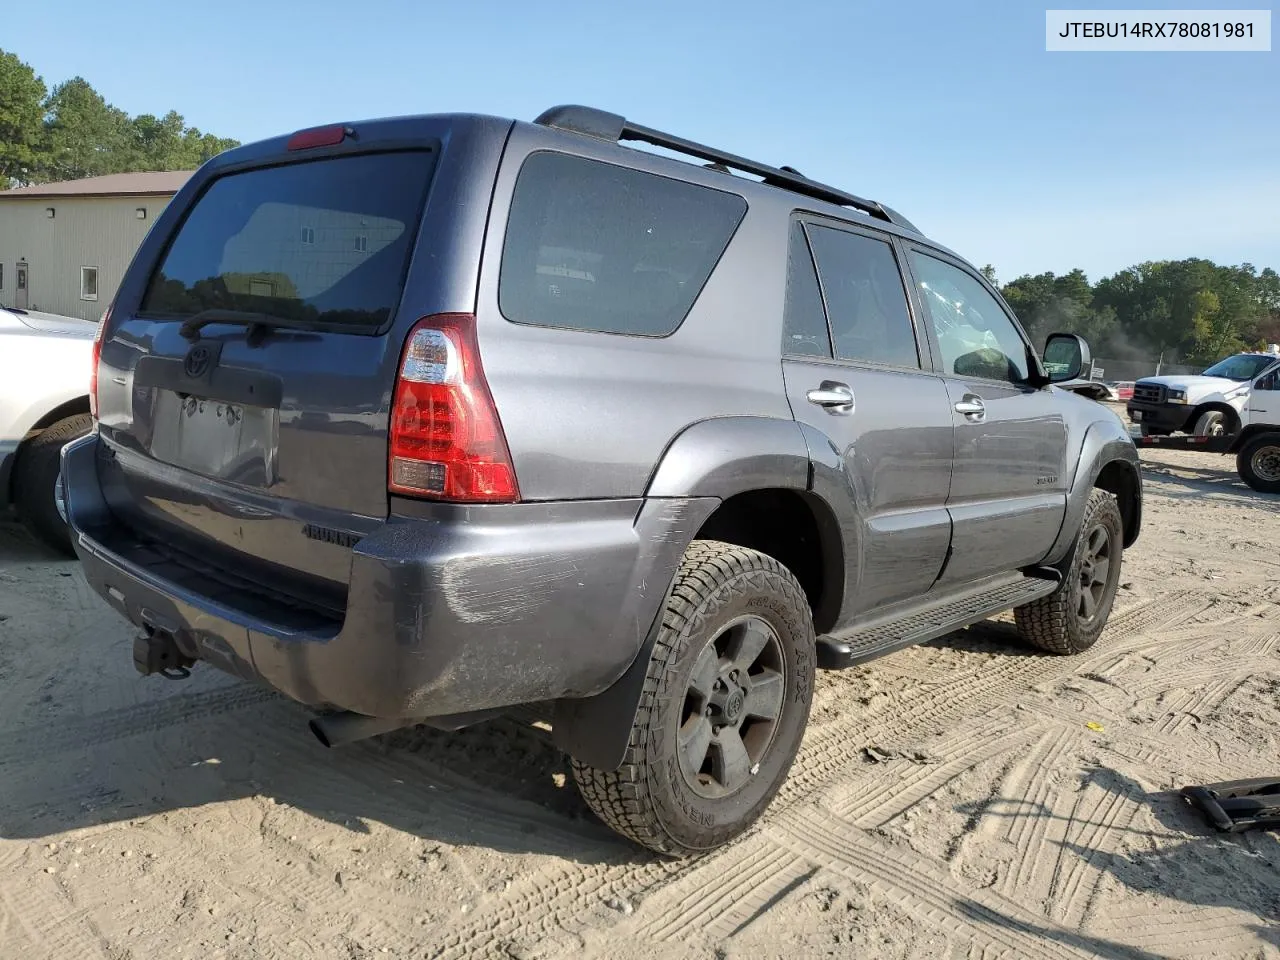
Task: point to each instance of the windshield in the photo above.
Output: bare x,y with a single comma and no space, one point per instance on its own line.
322,242
1241,367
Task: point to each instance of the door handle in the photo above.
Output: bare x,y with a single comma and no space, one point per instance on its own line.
833,397
972,407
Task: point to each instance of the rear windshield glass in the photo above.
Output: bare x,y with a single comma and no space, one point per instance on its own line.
323,242
593,246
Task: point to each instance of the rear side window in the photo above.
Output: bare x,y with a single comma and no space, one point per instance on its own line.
804,328
865,296
594,246
324,242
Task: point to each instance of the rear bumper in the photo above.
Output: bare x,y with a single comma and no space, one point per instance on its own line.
1162,416
460,610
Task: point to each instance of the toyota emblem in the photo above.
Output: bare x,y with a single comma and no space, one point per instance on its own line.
197,361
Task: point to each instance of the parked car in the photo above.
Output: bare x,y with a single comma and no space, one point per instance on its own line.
1209,404
415,420
45,366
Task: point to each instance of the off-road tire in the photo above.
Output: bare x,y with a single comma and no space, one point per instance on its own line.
648,799
1054,623
35,477
1245,467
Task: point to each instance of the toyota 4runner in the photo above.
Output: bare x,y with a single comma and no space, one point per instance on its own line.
415,420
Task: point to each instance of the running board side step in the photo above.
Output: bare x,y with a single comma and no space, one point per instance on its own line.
921,624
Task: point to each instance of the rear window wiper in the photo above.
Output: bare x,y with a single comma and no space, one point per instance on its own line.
258,323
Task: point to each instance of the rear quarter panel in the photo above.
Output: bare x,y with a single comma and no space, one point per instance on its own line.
591,414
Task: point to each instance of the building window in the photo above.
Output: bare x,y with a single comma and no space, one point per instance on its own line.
140,213
362,243
88,283
308,235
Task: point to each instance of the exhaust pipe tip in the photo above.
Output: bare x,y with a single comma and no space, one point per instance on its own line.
317,728
335,729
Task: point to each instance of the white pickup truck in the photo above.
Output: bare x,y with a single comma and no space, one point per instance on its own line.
45,369
1219,402
1235,410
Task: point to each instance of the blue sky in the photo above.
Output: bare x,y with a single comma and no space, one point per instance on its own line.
952,113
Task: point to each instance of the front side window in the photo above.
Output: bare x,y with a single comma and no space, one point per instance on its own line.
88,283
599,247
1270,382
866,301
975,336
322,242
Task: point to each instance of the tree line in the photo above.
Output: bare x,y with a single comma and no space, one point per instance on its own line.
1189,311
70,131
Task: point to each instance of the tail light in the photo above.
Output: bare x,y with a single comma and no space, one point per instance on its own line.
96,359
446,441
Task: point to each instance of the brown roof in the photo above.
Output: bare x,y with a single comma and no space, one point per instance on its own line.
151,183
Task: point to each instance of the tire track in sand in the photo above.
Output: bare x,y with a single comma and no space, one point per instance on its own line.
714,900
1091,829
97,729
922,888
548,898
544,901
887,797
47,926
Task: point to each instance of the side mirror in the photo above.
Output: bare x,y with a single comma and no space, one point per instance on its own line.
1066,357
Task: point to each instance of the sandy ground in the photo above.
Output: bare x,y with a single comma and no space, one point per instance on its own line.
143,818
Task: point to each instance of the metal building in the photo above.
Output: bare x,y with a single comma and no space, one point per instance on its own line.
64,247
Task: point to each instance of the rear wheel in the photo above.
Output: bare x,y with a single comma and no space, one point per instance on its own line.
36,490
724,707
1258,463
1071,618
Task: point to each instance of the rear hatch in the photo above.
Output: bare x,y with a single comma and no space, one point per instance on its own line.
245,384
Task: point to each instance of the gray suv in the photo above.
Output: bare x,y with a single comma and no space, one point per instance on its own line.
415,420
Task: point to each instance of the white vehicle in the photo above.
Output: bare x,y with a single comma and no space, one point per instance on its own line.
1256,441
45,369
1215,403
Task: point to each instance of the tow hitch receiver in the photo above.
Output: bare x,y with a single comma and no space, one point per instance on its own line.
157,652
1236,805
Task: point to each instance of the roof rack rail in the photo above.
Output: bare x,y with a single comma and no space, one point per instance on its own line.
612,127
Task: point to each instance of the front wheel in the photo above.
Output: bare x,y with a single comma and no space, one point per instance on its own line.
725,703
1214,423
1258,463
1070,619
